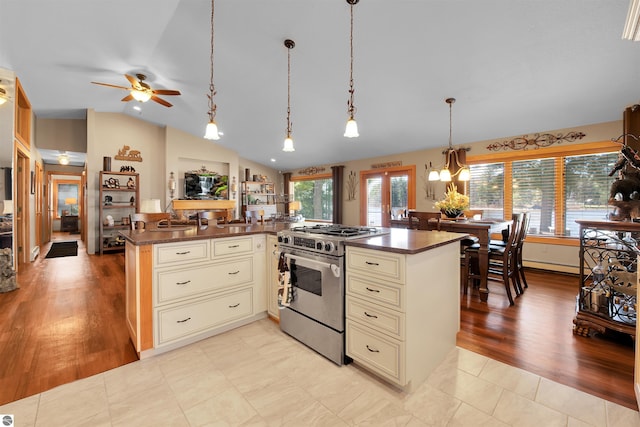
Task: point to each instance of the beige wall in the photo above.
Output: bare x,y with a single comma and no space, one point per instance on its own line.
61,134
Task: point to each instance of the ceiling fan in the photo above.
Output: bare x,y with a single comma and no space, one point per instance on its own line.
141,91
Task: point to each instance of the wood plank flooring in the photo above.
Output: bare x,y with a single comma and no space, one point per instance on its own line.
67,322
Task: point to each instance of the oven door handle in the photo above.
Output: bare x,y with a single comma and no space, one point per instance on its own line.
334,268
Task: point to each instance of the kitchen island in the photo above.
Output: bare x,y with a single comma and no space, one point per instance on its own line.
187,283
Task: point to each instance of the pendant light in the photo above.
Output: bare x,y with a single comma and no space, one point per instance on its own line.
288,142
351,131
212,128
462,171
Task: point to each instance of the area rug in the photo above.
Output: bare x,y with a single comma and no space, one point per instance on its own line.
61,249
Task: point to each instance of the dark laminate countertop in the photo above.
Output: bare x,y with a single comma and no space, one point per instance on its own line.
398,240
406,241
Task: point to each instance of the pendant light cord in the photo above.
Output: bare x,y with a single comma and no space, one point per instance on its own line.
212,89
351,108
288,90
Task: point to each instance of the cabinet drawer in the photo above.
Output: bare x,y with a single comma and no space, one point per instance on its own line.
180,321
383,355
187,282
232,246
173,253
387,294
374,316
376,263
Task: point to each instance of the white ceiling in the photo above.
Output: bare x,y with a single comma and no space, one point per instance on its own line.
515,67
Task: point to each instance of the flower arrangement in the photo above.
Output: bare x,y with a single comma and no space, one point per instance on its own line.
453,203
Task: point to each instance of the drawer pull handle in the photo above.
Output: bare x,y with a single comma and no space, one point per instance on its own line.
372,290
234,306
370,315
183,253
372,350
234,246
185,320
235,272
371,263
183,283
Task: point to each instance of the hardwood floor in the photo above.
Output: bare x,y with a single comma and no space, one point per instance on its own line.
67,322
536,334
64,323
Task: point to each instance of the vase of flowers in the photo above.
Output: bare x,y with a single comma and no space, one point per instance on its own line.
454,203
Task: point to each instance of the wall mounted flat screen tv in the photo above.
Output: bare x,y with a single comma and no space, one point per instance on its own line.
205,186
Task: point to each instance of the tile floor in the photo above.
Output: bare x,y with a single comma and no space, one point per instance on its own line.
257,376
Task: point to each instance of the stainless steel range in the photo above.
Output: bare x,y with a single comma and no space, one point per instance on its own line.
316,314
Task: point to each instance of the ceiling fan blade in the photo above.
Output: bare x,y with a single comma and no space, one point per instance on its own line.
127,98
160,101
166,92
134,81
109,85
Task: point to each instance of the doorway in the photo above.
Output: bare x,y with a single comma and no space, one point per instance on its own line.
387,195
64,200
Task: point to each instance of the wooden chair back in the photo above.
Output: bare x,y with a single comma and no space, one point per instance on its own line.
141,220
424,220
206,218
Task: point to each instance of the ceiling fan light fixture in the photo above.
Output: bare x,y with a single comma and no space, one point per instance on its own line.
3,96
141,95
211,132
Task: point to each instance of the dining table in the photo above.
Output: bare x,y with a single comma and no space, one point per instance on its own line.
482,229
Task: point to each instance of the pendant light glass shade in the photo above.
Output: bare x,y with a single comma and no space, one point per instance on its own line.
445,175
434,175
464,174
351,130
211,131
288,145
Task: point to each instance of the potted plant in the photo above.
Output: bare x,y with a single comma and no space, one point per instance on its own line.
454,203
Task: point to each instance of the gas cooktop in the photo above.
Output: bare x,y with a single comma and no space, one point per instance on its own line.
337,230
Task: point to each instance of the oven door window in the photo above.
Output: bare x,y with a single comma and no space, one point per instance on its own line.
306,278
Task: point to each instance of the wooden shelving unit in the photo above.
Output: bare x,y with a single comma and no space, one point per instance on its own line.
116,193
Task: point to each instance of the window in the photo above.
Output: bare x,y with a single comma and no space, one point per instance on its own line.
65,197
315,196
556,186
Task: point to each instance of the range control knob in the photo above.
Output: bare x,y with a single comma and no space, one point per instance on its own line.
319,245
329,247
285,239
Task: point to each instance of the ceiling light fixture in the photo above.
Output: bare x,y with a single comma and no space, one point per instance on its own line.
212,128
460,170
3,96
351,130
63,159
288,142
632,24
141,95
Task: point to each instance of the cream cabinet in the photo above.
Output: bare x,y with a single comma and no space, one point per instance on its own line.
204,287
273,255
402,311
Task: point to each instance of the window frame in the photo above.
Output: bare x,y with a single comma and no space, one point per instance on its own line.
558,153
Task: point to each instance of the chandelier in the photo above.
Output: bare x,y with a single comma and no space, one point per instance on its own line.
288,142
212,128
351,130
452,159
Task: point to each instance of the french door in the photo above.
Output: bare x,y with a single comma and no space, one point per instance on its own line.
386,195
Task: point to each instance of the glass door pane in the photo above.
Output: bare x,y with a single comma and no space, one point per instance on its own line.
399,195
374,201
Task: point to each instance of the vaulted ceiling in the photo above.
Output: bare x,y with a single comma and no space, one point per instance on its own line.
515,67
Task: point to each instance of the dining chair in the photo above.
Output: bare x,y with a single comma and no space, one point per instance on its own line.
424,220
524,229
502,261
141,220
206,218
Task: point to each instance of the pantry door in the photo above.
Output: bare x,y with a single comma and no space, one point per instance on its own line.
386,195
